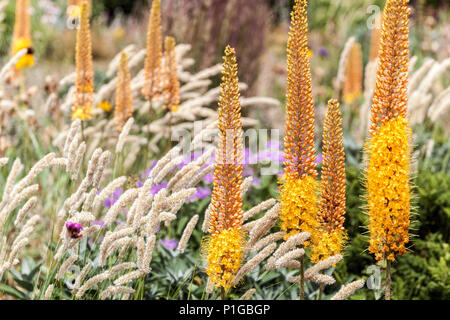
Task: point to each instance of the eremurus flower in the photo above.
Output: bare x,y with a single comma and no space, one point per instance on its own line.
353,75
299,185
84,84
332,202
22,34
388,174
171,90
124,98
152,70
224,247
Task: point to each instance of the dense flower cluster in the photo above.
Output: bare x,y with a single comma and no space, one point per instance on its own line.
225,245
332,200
388,147
388,189
84,84
298,186
152,86
124,97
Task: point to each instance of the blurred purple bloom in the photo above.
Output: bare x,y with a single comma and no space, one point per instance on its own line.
99,223
323,52
169,243
155,189
202,193
112,198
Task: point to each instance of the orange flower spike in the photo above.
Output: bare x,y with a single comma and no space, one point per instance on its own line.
388,148
375,37
332,202
124,96
84,84
152,69
172,85
224,247
299,186
391,87
22,34
226,198
353,75
299,138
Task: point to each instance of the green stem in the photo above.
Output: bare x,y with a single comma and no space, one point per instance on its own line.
222,293
388,281
320,291
302,279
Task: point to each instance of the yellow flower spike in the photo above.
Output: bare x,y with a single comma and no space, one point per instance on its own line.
171,89
22,34
299,185
353,75
388,189
152,81
84,84
299,206
124,96
224,257
223,248
331,234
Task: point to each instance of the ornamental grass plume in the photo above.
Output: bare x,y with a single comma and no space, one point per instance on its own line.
152,87
171,89
84,84
353,75
332,202
388,149
299,185
22,35
124,96
224,247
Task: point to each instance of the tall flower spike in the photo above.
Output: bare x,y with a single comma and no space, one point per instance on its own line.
84,84
171,84
22,34
391,89
388,174
152,82
375,37
298,185
224,248
332,202
353,75
124,96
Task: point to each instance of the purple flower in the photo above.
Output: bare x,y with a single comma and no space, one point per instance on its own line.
112,198
169,243
74,229
155,189
209,178
202,193
99,223
323,52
